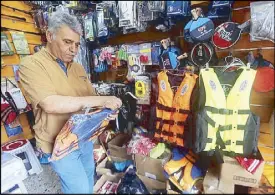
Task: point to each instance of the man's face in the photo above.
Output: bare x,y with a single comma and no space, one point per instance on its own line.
64,44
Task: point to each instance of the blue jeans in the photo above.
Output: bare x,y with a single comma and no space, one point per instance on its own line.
76,170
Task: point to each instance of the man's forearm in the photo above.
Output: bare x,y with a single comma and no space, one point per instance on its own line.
67,104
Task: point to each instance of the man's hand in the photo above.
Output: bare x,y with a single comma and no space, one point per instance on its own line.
113,103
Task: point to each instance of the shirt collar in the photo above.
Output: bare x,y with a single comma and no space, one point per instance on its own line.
53,57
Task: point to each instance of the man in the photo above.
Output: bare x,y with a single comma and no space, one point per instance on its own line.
57,88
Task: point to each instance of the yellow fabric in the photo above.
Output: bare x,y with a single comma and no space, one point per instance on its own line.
181,100
238,99
41,76
269,173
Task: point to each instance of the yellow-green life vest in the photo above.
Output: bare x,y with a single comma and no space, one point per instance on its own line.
226,123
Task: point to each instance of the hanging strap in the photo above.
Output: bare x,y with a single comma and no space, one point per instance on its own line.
225,111
169,109
171,122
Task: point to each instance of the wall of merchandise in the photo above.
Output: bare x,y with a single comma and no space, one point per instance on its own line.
12,20
16,17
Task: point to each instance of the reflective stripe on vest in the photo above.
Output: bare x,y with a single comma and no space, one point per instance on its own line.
172,110
227,117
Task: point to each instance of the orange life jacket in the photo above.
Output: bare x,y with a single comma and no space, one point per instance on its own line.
173,109
182,172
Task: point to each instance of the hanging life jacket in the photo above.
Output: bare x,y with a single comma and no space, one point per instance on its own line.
226,125
182,171
173,111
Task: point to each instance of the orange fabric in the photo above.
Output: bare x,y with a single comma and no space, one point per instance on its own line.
179,100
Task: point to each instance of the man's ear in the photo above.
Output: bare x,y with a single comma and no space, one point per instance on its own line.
49,36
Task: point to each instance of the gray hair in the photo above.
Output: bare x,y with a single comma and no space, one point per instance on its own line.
60,18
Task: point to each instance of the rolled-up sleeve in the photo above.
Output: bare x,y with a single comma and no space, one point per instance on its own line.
35,81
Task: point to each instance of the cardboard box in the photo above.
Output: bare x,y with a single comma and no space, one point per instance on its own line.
101,168
232,173
151,172
115,146
211,181
149,167
115,178
118,159
152,184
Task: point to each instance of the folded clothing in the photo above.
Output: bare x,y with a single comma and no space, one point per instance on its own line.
140,145
251,165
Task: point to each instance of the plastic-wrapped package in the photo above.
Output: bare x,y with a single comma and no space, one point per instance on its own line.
89,26
100,64
140,145
106,54
221,3
178,8
133,27
110,17
6,48
134,65
143,89
82,55
79,129
155,52
156,6
169,57
102,89
144,14
262,21
145,54
126,13
102,30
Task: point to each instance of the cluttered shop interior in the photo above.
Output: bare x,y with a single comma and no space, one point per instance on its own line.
137,97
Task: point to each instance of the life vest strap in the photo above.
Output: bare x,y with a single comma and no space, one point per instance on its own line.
219,155
179,170
158,131
166,133
228,142
225,111
229,127
169,109
219,140
171,122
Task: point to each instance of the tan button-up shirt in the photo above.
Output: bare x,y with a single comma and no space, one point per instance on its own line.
41,76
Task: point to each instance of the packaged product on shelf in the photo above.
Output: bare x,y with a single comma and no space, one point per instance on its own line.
145,54
20,42
143,89
6,48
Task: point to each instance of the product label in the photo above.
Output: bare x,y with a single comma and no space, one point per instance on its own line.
150,175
